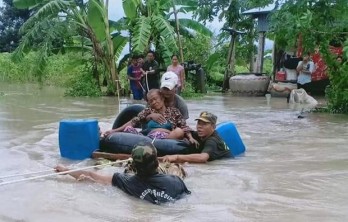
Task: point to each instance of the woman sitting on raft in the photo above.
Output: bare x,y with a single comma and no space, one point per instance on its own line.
174,128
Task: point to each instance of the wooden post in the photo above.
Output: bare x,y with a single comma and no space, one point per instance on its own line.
260,52
226,86
252,53
274,60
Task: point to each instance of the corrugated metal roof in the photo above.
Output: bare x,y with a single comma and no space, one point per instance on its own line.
260,10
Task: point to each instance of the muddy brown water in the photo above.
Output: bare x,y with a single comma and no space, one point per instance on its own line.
294,169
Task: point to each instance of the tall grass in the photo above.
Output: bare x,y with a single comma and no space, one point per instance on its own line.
59,70
12,72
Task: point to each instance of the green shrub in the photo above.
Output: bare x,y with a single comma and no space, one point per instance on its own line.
190,88
268,66
124,82
83,85
61,68
337,92
190,91
17,72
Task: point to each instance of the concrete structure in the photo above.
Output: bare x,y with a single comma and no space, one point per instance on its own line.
261,14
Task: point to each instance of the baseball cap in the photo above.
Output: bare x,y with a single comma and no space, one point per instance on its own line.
144,154
169,80
207,117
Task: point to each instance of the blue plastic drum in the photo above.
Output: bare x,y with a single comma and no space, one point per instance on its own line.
78,138
229,133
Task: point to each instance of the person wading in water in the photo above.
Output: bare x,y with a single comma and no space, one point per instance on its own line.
146,184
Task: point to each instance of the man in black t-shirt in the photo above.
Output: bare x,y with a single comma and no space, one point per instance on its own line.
211,146
151,72
146,184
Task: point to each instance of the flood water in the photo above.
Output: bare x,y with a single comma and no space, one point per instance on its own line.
294,169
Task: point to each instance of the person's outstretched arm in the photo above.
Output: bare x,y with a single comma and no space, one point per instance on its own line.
190,158
83,174
110,156
140,118
155,69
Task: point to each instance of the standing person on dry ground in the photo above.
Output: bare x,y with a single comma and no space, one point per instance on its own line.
134,74
179,71
305,68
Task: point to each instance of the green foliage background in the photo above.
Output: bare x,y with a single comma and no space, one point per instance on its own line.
86,30
70,70
337,92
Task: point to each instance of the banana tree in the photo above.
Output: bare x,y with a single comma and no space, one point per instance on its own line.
150,24
91,21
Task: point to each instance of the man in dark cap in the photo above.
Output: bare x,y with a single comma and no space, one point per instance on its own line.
211,146
146,184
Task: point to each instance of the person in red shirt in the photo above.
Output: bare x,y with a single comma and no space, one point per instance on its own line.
134,75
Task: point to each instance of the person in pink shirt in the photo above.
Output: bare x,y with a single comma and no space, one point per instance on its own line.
178,70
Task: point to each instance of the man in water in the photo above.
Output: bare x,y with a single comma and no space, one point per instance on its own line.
211,146
146,184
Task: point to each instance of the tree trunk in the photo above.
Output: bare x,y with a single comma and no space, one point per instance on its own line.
229,63
110,54
259,60
178,33
233,56
274,60
251,47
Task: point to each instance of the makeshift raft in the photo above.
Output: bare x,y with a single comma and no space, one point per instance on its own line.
77,138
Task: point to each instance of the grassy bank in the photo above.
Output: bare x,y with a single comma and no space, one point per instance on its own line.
71,71
60,69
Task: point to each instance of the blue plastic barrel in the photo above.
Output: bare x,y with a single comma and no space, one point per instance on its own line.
229,133
78,138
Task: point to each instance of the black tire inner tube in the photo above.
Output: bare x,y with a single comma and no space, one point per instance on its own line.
127,114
